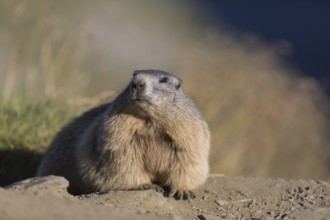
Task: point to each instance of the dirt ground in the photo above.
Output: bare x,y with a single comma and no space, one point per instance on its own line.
220,198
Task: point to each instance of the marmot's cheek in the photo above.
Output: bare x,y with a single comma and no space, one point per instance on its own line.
158,102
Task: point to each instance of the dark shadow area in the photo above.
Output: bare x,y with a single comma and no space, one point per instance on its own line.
16,165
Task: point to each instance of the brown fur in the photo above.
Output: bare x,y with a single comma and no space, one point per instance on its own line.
134,144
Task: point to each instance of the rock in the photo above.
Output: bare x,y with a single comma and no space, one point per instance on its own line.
221,202
201,217
41,184
147,201
15,205
290,199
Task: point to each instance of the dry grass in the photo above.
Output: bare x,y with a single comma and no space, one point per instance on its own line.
265,118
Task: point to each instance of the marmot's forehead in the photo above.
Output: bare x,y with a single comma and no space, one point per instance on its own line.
153,72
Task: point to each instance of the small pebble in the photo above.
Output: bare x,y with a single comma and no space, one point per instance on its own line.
201,217
221,202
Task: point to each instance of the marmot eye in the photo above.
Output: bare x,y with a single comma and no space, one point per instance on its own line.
163,80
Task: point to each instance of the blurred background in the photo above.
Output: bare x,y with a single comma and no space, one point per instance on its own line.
258,71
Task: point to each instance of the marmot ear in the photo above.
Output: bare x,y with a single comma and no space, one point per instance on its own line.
178,83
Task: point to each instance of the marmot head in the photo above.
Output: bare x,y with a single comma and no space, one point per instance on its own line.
154,88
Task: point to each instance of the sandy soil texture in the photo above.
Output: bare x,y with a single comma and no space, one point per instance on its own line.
219,198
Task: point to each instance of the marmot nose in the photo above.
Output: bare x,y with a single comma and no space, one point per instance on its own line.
138,84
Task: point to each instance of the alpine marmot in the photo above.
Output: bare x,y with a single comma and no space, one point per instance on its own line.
150,137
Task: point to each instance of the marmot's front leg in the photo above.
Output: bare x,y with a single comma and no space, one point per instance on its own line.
185,176
148,186
179,186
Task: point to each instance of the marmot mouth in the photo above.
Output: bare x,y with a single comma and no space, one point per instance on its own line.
140,102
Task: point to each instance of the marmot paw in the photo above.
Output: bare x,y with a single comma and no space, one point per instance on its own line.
155,187
182,194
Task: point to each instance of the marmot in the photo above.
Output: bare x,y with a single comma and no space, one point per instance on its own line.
150,137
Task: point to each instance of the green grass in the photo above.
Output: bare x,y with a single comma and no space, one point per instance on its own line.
32,124
26,129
